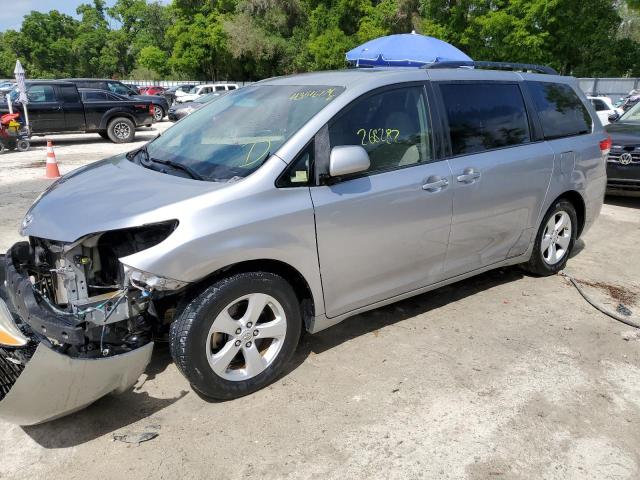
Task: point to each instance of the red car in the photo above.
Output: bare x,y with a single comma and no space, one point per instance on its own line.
153,90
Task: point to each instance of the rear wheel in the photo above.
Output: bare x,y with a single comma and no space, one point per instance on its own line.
158,113
121,130
237,335
23,145
555,240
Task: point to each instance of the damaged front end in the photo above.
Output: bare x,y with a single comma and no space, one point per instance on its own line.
75,323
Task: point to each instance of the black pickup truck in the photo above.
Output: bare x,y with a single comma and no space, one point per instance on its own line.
59,107
160,105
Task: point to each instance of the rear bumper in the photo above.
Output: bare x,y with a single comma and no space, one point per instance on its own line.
38,382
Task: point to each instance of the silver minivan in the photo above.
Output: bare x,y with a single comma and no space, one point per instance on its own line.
289,205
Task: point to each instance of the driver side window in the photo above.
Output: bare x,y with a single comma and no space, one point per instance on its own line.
392,126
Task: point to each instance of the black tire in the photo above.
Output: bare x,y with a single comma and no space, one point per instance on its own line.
158,113
23,145
537,264
190,333
121,130
104,135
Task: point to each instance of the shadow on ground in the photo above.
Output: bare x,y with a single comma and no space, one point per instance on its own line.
108,414
142,134
112,413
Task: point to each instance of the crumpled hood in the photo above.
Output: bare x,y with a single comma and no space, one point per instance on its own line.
108,195
624,133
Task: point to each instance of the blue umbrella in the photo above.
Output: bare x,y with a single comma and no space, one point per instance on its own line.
404,50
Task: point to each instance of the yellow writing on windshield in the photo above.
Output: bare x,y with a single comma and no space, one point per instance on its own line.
326,93
248,161
373,136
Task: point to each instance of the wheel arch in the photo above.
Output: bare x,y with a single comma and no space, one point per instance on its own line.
297,281
110,116
579,204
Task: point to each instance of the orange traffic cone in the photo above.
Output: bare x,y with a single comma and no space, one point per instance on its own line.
52,163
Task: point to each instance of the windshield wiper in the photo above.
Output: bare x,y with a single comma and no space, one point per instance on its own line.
147,161
177,166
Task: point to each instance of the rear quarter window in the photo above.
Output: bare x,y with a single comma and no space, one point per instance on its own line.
562,113
485,116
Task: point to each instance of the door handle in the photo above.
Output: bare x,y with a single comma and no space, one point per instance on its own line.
468,176
435,184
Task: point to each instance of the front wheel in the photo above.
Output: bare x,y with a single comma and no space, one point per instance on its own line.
554,240
121,130
237,335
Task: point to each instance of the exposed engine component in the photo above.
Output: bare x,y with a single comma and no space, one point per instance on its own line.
91,304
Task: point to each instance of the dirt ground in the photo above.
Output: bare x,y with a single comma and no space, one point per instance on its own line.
499,376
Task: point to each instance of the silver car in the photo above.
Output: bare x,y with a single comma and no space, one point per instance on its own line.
289,205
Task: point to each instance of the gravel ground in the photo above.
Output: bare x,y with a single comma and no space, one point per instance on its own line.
499,376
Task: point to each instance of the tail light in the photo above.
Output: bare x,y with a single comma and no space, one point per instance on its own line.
152,109
605,146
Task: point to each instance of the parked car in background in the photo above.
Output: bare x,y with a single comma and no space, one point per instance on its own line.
604,108
200,90
152,90
177,91
291,204
6,87
161,107
181,110
59,107
623,162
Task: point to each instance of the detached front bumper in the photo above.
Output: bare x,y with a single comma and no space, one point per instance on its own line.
37,382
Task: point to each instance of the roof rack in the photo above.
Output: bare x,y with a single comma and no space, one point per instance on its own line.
523,67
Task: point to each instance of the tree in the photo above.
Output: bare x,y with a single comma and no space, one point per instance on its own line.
253,39
45,43
154,59
92,31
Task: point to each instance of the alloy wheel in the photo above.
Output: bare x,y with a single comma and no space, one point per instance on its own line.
158,114
556,238
246,337
122,130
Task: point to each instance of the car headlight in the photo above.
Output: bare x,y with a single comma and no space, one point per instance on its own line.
150,281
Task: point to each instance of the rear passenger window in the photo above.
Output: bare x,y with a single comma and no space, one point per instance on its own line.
69,94
485,116
94,96
561,111
392,126
41,94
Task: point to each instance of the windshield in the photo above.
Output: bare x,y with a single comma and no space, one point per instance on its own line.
631,115
194,90
233,136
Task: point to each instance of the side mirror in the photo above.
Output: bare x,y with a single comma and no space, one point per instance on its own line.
614,117
348,159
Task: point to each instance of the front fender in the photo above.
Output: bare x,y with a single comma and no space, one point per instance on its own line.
275,224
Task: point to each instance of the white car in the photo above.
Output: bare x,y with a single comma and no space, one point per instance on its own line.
200,90
604,107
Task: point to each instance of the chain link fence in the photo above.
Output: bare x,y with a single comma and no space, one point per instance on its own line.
172,83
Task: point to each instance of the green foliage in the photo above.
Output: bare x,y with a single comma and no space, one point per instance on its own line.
253,39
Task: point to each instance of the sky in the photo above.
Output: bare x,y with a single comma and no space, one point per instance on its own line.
12,11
